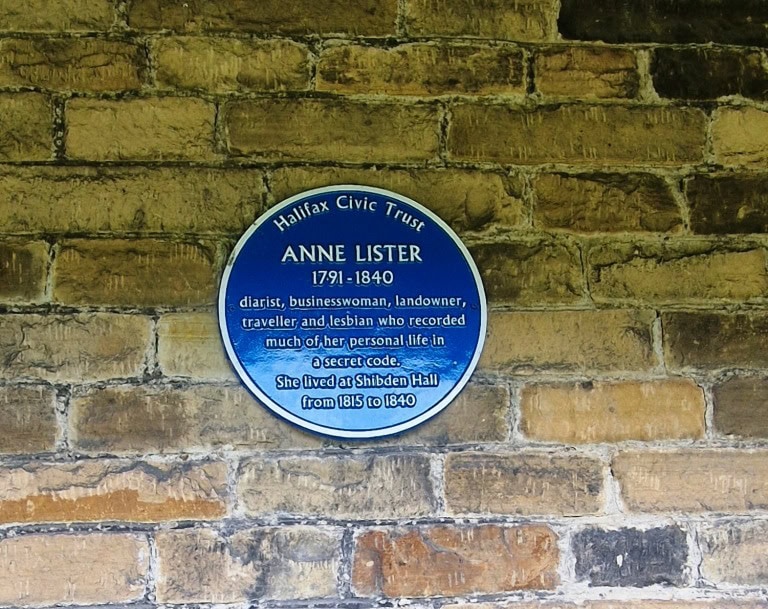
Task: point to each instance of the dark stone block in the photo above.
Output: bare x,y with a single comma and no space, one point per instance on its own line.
715,340
722,204
741,407
709,73
742,22
630,557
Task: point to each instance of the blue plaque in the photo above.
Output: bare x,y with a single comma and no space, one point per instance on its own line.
352,311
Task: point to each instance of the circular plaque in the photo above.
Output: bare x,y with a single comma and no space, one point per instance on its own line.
352,311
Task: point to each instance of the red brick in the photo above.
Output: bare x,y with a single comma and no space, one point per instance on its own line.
454,560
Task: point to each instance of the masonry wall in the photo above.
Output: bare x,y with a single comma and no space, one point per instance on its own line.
604,160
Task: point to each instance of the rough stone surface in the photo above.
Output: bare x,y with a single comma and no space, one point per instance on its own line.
674,21
693,481
25,127
126,272
189,345
28,419
568,341
704,73
23,270
112,490
530,272
525,484
80,569
224,65
157,418
79,347
630,557
258,563
740,137
587,72
741,407
735,553
422,69
689,272
69,16
527,20
363,18
468,200
613,411
71,64
728,204
162,128
279,129
577,134
134,199
338,487
452,560
605,202
715,340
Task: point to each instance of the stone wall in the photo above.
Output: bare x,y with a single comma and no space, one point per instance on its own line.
606,162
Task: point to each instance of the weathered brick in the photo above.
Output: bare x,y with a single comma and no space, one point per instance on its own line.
530,272
135,199
527,484
526,20
67,15
465,199
693,481
630,557
393,486
224,65
741,407
675,272
26,132
23,270
328,129
587,72
189,344
259,563
665,21
112,490
478,414
568,341
708,73
740,136
80,347
162,128
364,18
605,202
735,553
454,560
155,418
728,203
422,69
613,412
127,272
70,64
80,569
28,419
577,134
714,340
